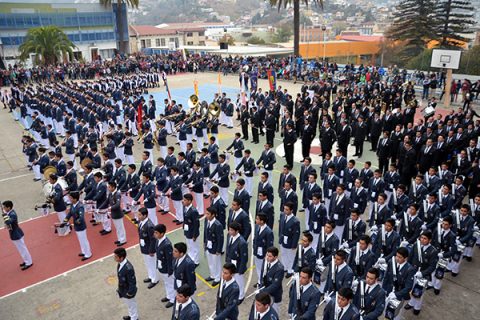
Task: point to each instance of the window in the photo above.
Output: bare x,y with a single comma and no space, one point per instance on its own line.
189,43
202,43
157,42
162,42
189,34
149,43
142,44
201,33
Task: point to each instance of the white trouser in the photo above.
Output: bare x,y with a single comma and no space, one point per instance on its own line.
169,127
389,194
199,203
339,232
177,205
200,141
36,171
316,237
61,216
214,265
84,244
75,140
287,257
270,175
212,168
163,151
416,303
193,250
132,308
237,161
107,223
327,206
468,252
205,133
183,145
169,287
189,138
23,250
120,230
240,278
152,215
126,200
151,264
151,154
248,184
120,152
206,186
258,266
307,218
229,121
129,159
164,203
58,126
224,194
454,266
437,283
222,117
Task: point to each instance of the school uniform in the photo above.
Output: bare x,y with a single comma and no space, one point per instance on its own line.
191,231
165,261
213,245
17,236
227,301
236,252
305,307
262,240
147,248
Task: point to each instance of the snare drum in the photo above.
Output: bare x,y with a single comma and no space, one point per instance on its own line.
429,111
392,309
63,231
90,206
101,216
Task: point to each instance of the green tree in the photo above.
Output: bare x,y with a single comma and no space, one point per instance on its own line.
414,24
49,44
255,40
296,18
456,19
470,61
227,39
122,42
283,33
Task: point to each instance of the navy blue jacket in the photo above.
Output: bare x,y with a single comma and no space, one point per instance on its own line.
213,237
227,304
11,220
271,280
237,253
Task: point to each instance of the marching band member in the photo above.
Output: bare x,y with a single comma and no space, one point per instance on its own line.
213,245
219,205
267,159
149,193
212,149
262,240
221,172
56,197
164,250
190,154
248,165
330,184
340,275
350,175
195,185
342,307
174,191
147,165
387,242
370,297
238,147
272,277
261,308
161,177
355,227
305,256
183,268
191,228
204,162
113,203
317,217
16,234
444,240
162,138
147,247
362,259
304,303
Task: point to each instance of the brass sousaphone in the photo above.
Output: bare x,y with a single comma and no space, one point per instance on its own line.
48,171
85,162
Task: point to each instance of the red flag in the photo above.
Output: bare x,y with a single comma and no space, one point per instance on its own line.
139,116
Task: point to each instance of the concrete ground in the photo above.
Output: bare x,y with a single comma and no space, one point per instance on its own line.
89,292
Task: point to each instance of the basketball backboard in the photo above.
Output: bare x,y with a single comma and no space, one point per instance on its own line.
448,59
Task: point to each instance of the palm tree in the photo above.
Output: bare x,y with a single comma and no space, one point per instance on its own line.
296,18
48,43
122,44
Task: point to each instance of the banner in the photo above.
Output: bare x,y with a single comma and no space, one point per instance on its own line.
244,96
272,80
139,116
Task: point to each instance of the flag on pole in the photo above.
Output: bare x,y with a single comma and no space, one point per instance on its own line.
168,90
272,81
195,87
219,83
244,96
139,116
254,79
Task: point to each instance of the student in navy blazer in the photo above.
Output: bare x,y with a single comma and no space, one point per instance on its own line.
262,308
242,194
348,310
289,235
164,253
341,276
262,240
358,197
183,267
399,284
227,295
310,188
366,258
219,205
387,248
149,194
358,228
317,217
265,206
191,227
147,246
213,244
237,214
308,255
288,195
236,252
10,219
185,307
305,307
266,186
272,276
373,296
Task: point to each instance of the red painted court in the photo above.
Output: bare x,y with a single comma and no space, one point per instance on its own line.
53,255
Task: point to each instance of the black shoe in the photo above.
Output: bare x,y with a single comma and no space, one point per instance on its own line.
407,307
209,279
117,242
22,264
454,274
436,291
147,280
25,267
469,259
416,312
239,302
289,275
206,196
81,255
151,285
164,213
165,299
106,232
196,265
36,180
255,285
126,318
175,220
121,244
85,258
301,210
169,305
179,223
215,283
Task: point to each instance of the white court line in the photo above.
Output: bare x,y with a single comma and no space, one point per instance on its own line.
20,176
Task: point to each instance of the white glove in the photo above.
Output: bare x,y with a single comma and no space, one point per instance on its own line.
418,275
459,243
374,229
424,227
440,255
327,299
404,244
319,263
133,203
355,283
257,292
392,295
344,245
